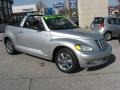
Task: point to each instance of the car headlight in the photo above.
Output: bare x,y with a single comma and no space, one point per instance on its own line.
84,48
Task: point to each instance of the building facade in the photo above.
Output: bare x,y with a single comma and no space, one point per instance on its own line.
5,10
25,9
20,11
87,10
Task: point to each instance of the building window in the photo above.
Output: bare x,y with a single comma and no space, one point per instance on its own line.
4,4
5,10
1,10
9,5
0,3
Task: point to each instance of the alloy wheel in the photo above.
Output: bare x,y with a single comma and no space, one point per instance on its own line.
65,61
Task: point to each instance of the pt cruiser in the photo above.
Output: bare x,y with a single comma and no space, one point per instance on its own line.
58,39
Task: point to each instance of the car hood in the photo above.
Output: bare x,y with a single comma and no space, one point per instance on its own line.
79,33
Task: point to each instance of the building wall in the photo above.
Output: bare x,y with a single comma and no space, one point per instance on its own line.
24,8
5,10
88,9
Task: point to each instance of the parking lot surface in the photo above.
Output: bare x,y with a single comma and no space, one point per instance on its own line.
25,72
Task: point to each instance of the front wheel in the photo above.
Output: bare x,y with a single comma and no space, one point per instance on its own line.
10,47
108,36
66,60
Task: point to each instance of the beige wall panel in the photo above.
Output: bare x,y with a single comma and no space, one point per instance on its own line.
88,9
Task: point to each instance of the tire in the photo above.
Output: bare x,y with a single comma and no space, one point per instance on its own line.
108,36
119,38
10,47
66,60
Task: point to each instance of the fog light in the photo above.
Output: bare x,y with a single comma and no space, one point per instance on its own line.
91,62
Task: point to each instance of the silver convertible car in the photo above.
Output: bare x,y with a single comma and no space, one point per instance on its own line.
58,39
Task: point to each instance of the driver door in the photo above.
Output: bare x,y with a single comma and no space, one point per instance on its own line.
34,39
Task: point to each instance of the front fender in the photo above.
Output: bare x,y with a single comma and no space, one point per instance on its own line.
9,33
63,42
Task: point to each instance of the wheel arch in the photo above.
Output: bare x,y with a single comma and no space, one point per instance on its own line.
6,38
58,48
108,32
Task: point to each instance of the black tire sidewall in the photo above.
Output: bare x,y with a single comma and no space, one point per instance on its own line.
106,34
13,51
119,38
74,60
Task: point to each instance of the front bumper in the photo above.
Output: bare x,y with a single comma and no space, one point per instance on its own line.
92,59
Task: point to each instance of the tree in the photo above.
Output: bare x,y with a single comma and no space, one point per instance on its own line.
40,5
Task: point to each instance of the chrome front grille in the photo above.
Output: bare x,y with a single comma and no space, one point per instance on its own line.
102,44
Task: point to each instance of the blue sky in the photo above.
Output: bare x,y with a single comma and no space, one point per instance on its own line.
50,2
47,2
113,2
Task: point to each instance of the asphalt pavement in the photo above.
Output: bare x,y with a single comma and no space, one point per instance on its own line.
25,72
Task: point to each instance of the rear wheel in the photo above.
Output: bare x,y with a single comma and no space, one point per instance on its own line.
66,60
119,38
108,36
10,47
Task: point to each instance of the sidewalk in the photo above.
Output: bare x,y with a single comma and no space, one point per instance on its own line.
2,29
1,36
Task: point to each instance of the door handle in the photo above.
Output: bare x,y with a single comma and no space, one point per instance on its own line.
20,31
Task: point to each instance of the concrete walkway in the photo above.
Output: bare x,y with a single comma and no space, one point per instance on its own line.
2,28
1,36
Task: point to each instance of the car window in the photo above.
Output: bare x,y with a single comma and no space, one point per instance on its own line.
98,20
114,21
35,23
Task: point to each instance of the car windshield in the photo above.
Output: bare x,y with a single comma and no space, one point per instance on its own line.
59,23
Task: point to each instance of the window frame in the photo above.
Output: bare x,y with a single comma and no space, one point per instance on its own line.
42,29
